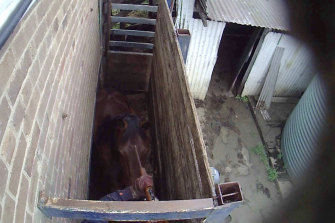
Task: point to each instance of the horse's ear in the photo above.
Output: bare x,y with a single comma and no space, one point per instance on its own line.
145,125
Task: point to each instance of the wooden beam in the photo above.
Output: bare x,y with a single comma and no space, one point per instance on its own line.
133,32
126,210
107,26
134,210
130,53
131,7
133,20
131,44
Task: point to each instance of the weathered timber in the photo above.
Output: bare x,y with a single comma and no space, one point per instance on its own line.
131,44
133,20
130,53
133,32
147,8
182,159
134,210
128,71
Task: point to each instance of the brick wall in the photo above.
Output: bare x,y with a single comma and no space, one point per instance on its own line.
48,74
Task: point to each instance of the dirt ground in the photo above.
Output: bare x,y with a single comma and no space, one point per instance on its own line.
231,137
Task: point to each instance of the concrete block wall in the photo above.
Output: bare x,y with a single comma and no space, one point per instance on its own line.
48,74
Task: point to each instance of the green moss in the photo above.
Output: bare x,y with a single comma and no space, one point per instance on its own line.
259,151
272,174
244,99
115,11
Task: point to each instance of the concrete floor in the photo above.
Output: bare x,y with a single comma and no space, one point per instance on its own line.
230,135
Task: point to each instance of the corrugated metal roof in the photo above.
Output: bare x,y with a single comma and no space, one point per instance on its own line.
263,13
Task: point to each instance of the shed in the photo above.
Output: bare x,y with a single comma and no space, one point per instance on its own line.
242,36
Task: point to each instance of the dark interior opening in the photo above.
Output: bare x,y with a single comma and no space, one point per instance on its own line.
100,184
236,48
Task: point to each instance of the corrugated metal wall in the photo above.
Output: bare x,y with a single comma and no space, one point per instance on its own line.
203,48
296,70
263,13
202,55
184,13
302,131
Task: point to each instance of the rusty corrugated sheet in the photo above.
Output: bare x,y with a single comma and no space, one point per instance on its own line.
262,13
296,70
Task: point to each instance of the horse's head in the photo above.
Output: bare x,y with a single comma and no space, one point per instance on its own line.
132,142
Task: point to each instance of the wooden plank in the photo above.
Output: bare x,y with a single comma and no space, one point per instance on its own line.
180,140
131,7
264,101
252,62
135,210
127,210
107,26
128,71
133,20
133,32
178,124
130,53
131,44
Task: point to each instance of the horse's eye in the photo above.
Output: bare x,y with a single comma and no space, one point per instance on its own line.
123,124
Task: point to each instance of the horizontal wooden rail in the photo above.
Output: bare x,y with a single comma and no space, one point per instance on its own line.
133,32
130,53
135,210
134,20
131,44
131,7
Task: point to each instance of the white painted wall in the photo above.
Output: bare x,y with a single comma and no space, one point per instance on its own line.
296,70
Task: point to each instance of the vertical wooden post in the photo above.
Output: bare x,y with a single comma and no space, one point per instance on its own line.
107,31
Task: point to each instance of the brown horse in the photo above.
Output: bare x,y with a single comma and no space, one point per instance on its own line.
120,137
